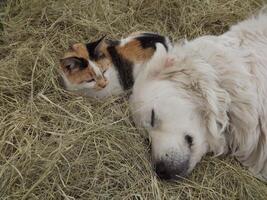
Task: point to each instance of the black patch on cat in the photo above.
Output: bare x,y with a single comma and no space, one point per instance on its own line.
124,68
149,40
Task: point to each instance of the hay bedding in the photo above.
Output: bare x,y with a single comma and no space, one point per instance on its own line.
54,145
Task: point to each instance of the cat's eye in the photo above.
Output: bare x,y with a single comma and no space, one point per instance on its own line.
152,118
91,80
101,55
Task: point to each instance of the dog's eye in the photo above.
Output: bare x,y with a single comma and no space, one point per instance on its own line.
189,140
152,120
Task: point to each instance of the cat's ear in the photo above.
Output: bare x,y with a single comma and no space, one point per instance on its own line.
98,51
94,48
71,64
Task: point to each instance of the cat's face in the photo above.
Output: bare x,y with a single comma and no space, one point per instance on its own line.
84,66
104,67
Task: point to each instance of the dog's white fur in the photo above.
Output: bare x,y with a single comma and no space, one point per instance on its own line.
215,91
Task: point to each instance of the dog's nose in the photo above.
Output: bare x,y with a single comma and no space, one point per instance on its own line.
170,171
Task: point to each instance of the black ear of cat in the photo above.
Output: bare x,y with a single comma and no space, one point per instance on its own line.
92,48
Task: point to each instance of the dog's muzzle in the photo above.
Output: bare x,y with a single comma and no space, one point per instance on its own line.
169,170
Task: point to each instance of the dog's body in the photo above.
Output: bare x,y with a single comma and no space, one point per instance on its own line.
207,95
107,67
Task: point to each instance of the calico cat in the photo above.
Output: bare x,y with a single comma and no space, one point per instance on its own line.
108,67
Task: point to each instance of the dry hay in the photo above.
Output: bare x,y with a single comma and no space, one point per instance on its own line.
54,145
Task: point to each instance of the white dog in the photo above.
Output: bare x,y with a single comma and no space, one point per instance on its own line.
207,95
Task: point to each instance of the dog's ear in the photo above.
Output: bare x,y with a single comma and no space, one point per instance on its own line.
217,101
214,104
158,61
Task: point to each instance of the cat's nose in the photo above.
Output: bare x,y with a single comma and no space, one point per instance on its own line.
102,83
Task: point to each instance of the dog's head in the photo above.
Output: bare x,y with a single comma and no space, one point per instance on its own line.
179,102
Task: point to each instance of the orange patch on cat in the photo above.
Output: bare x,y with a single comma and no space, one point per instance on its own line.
134,52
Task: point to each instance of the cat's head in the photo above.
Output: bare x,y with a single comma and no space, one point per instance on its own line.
83,66
107,67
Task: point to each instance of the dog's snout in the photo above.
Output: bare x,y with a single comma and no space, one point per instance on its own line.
169,171
162,170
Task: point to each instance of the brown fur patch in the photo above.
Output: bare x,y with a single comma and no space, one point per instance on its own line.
78,50
134,52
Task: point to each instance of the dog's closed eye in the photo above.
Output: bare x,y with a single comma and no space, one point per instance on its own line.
152,119
189,140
